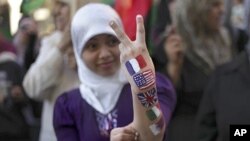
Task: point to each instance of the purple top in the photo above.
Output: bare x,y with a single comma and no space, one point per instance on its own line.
75,120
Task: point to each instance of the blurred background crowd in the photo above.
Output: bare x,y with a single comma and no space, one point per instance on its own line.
188,40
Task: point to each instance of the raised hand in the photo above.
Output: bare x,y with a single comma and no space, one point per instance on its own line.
127,133
139,69
66,42
135,59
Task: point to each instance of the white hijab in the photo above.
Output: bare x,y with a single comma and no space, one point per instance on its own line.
101,93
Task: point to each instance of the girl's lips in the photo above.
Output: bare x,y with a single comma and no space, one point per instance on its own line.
106,64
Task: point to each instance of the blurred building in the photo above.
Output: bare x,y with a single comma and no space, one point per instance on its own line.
41,10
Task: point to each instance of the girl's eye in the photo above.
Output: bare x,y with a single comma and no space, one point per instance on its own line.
113,42
91,46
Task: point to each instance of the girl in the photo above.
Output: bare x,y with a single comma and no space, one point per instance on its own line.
105,102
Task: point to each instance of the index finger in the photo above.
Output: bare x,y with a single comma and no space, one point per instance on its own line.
124,39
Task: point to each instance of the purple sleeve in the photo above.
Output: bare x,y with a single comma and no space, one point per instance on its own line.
63,121
166,96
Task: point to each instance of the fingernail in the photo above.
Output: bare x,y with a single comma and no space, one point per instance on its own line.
139,18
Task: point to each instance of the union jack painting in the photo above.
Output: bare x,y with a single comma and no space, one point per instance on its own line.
149,98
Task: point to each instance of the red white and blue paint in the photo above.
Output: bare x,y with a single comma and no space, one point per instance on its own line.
135,65
144,80
149,98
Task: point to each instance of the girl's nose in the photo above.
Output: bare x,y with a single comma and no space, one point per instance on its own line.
104,52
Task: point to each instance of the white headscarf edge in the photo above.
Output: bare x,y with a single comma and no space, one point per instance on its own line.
100,92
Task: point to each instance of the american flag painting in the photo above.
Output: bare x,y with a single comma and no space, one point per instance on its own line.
149,98
144,80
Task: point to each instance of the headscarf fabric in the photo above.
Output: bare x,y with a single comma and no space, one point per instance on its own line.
100,92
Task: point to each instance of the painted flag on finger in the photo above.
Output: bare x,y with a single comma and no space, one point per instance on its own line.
149,98
144,80
153,113
157,127
135,65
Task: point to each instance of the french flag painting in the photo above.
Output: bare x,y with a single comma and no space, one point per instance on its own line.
135,65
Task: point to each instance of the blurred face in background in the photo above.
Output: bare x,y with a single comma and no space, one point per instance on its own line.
101,54
61,15
27,28
214,14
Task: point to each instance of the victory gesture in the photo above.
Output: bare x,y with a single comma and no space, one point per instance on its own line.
139,69
116,110
135,58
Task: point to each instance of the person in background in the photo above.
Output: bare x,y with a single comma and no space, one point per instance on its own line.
195,43
238,33
165,10
54,71
13,101
26,42
225,100
238,14
120,95
7,47
247,16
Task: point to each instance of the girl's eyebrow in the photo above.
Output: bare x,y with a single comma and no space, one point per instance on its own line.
92,39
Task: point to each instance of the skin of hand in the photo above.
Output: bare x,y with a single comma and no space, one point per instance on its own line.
71,60
66,41
131,49
127,133
66,47
17,93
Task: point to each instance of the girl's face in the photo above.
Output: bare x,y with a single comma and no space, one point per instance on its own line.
101,54
215,14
